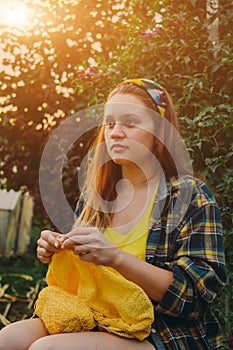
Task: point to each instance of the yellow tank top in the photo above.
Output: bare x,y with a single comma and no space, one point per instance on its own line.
133,242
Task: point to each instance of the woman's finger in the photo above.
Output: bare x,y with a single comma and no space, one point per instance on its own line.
50,240
81,249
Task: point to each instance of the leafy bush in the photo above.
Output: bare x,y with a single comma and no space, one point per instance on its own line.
168,41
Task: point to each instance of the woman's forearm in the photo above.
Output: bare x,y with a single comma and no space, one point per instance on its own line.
153,280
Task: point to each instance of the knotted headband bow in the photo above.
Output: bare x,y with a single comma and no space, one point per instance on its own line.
153,89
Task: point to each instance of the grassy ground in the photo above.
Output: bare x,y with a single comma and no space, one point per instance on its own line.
21,277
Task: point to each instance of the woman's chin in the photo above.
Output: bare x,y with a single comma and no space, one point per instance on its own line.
121,161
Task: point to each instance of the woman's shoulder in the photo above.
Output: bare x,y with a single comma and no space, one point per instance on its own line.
199,189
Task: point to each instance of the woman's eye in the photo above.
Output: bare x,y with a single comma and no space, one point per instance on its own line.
110,123
130,122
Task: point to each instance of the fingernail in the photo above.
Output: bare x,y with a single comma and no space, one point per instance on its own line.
56,244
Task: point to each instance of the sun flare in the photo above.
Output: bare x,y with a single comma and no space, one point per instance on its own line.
14,13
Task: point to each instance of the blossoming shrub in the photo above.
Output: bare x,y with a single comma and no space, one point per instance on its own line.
180,45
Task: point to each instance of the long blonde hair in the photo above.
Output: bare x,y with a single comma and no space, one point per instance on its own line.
102,175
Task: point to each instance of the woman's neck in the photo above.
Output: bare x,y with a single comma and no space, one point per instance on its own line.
140,177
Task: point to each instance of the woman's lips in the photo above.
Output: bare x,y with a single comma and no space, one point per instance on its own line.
117,147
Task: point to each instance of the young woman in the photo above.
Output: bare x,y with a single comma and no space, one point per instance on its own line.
143,214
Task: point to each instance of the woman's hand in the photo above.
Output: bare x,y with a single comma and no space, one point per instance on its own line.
49,243
91,245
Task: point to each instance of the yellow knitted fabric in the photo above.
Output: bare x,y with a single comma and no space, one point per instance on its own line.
81,295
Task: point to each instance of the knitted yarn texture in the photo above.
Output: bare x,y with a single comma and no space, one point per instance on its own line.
81,295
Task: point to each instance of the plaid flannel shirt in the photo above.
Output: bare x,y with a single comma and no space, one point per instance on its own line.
186,236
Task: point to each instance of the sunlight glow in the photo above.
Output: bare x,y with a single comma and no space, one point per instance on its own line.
14,13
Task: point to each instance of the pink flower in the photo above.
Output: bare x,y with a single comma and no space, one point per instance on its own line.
150,33
158,31
120,68
82,75
87,73
91,71
146,35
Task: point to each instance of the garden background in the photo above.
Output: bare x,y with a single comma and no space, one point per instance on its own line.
60,56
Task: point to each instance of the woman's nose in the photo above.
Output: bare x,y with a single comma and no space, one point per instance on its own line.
117,130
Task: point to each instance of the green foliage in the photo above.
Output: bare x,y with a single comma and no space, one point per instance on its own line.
197,72
21,278
89,46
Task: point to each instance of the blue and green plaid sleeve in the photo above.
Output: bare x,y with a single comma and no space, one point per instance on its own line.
198,259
